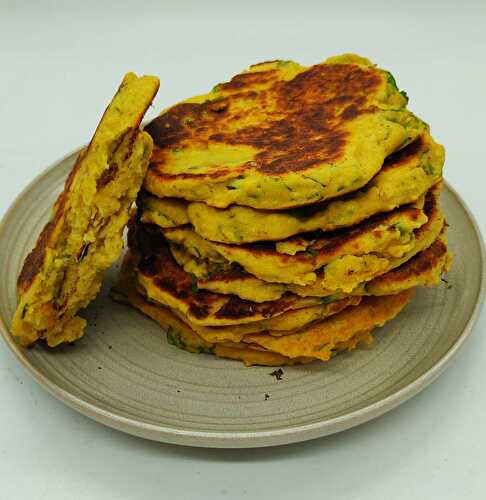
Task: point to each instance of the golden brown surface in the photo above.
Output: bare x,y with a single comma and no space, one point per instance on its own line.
319,340
425,269
386,236
281,135
163,281
180,334
343,275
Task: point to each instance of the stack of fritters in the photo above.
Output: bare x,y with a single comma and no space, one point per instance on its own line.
287,213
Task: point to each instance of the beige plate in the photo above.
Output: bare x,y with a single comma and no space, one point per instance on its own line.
125,375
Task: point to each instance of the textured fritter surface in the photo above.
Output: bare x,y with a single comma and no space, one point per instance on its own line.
342,275
386,236
405,177
163,281
319,340
288,321
425,269
63,273
180,334
298,336
281,135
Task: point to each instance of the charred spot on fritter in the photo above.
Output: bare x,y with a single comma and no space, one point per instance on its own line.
404,155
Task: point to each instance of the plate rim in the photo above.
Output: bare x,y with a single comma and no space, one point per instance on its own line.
242,439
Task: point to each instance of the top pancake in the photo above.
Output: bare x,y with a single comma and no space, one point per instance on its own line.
64,271
281,135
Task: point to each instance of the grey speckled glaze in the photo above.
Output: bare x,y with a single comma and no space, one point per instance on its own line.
125,375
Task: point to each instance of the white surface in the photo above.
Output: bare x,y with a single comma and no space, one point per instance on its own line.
59,67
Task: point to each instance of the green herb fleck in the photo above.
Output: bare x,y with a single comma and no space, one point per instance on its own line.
328,299
314,180
391,80
404,94
204,350
215,269
167,218
174,338
216,88
194,287
428,169
401,229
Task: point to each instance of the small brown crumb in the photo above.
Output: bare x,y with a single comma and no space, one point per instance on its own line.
277,374
447,283
267,396
83,252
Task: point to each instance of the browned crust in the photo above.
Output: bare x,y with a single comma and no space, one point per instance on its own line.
422,263
315,108
234,273
35,259
148,239
431,208
154,260
329,243
243,80
403,156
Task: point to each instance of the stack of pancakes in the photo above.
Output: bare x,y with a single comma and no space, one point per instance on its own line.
287,213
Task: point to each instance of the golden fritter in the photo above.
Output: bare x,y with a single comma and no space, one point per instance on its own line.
281,135
63,273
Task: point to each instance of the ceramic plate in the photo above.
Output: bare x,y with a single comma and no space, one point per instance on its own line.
124,374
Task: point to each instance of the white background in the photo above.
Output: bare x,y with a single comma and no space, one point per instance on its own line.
60,62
